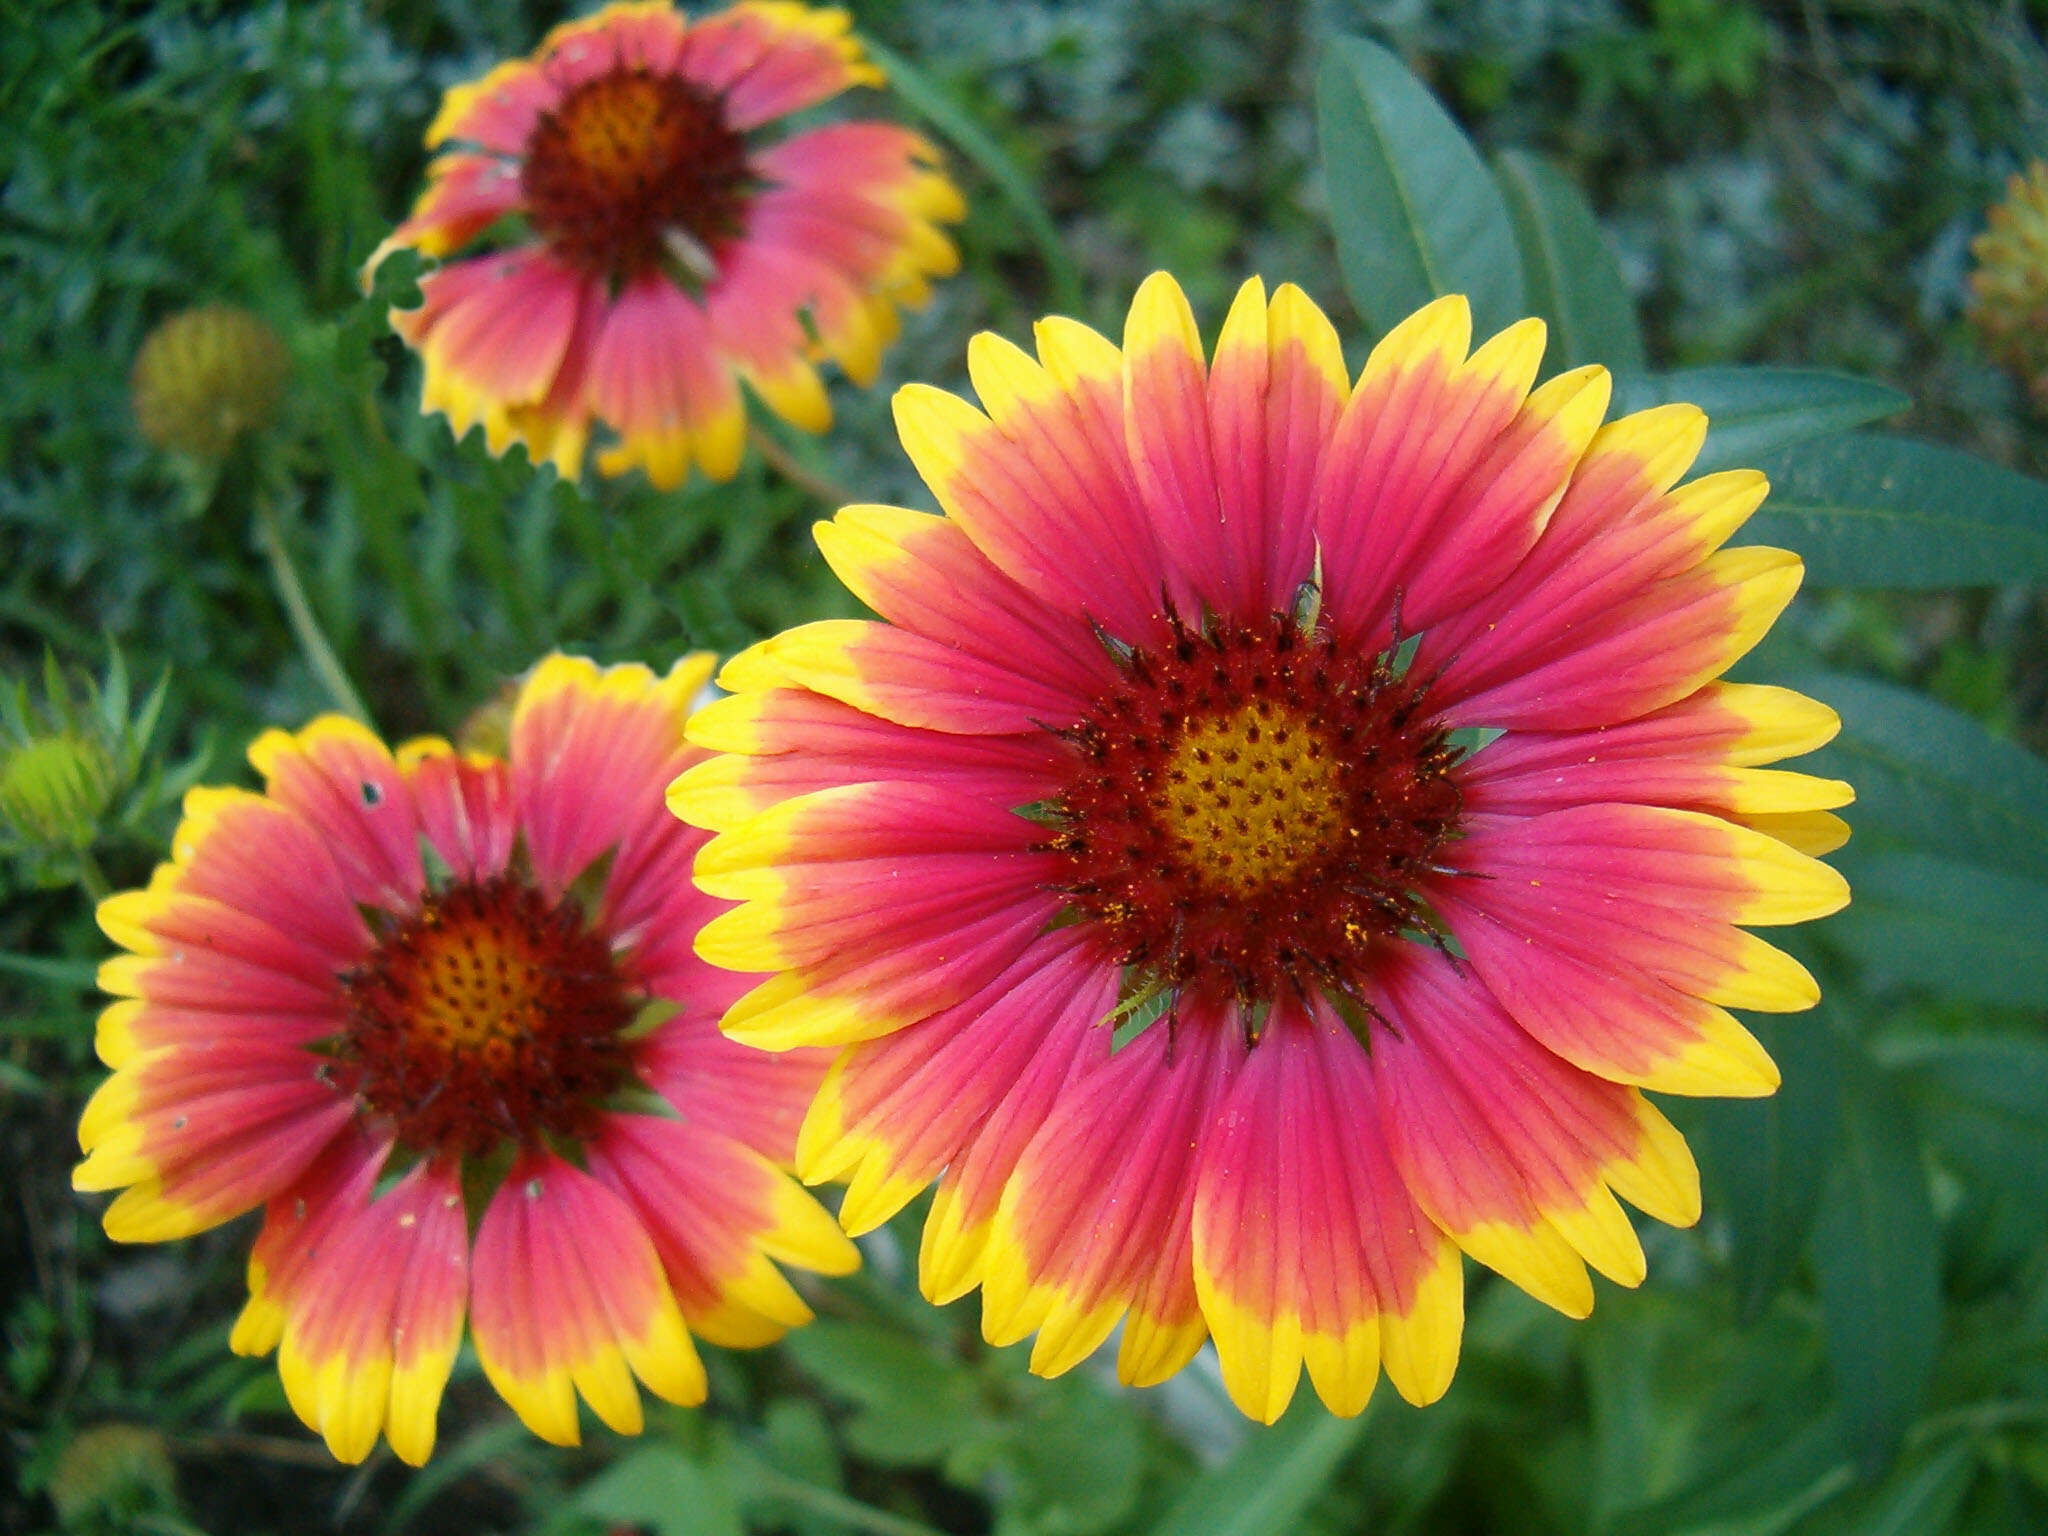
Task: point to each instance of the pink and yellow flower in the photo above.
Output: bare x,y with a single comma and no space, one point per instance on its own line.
637,251
1367,734
438,1014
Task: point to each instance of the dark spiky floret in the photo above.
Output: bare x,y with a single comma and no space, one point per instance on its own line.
1254,808
490,1015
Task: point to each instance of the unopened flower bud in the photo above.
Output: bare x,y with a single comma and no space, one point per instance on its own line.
2009,289
204,377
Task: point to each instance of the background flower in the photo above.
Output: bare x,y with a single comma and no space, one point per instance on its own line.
645,251
436,1013
1359,742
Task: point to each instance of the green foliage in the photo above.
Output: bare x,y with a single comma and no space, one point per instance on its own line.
1759,1158
1568,269
1264,1489
1412,207
1890,512
1752,412
1877,1265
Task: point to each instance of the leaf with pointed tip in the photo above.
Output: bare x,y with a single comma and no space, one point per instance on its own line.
1569,274
1414,212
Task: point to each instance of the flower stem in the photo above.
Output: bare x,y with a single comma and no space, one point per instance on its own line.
92,877
785,464
312,640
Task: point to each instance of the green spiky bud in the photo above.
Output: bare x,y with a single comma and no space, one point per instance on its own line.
55,788
75,763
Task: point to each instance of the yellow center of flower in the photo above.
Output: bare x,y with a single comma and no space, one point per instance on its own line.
491,1014
480,988
635,171
1251,797
614,131
1253,808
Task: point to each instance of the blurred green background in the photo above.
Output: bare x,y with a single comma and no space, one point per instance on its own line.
1855,1339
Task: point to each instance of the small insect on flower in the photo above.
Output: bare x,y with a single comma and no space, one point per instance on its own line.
631,248
437,1013
1276,831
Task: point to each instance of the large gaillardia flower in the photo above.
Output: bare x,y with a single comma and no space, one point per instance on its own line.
438,1014
635,249
1277,832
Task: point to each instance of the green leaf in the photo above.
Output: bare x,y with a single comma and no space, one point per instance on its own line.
659,1487
798,1443
1758,1156
59,975
914,1407
1754,412
1767,1482
1957,929
1079,1452
1569,274
1639,1436
499,1443
1414,212
1930,777
1983,1101
1872,511
1273,1477
1922,1496
1877,1261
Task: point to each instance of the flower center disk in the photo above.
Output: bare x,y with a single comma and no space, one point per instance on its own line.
633,170
492,1014
1252,808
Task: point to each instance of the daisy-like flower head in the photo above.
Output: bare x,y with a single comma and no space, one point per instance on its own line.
1362,737
437,1013
638,250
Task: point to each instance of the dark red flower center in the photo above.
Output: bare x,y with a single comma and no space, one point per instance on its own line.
636,170
1253,808
491,1014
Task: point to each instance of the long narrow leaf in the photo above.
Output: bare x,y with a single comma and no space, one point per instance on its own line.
1569,274
1956,929
1275,1475
1754,412
1931,778
1877,1261
1983,1101
1415,214
1758,1157
1870,511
